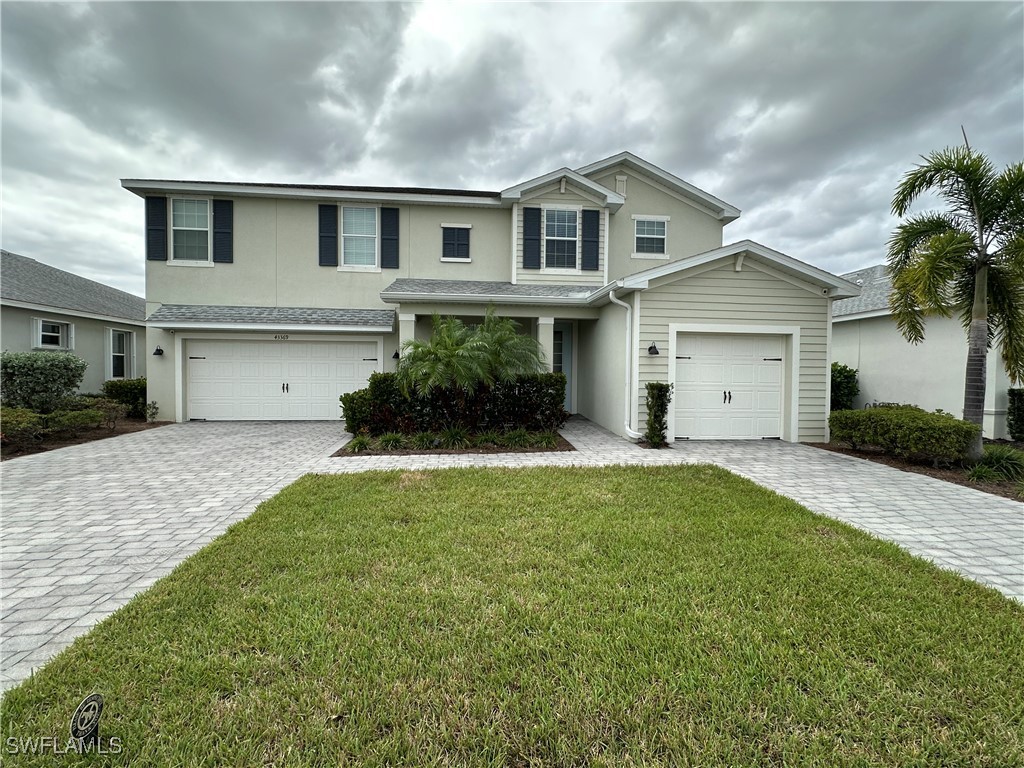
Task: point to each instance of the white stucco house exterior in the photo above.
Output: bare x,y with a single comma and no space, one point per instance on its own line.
270,300
43,309
891,369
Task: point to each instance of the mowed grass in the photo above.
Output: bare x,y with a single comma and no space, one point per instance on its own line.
619,616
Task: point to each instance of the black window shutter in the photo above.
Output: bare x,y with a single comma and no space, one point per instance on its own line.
223,231
389,238
156,228
455,243
531,238
328,235
591,240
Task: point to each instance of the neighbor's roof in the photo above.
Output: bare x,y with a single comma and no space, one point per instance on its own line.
409,289
875,287
196,315
27,281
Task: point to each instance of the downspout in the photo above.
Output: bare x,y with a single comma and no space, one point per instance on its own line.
629,363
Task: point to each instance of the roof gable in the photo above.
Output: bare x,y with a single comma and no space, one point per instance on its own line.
719,208
28,281
597,191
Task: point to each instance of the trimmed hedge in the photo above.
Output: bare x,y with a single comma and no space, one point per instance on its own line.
130,392
532,402
845,387
1015,414
659,393
39,380
906,432
20,426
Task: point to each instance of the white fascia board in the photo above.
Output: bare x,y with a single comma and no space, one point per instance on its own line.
462,298
51,309
724,210
839,288
173,325
866,315
141,186
611,199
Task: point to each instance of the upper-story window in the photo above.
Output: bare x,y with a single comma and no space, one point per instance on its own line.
651,232
561,231
190,227
455,242
359,237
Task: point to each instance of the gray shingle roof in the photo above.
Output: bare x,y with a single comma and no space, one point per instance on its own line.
205,313
428,288
32,282
875,287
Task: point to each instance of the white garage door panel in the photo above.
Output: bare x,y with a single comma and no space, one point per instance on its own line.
245,380
710,368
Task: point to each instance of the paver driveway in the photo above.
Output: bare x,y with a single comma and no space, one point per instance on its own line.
87,527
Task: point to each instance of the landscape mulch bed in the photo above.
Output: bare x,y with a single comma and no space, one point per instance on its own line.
563,445
956,475
87,436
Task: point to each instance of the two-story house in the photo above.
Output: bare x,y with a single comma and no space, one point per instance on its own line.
270,300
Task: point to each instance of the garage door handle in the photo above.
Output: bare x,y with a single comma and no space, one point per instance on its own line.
282,387
723,396
285,387
730,397
369,359
773,359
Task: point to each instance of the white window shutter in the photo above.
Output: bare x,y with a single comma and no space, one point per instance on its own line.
37,332
71,336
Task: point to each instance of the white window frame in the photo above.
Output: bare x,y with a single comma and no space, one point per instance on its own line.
445,226
342,266
67,334
638,217
129,353
209,233
544,240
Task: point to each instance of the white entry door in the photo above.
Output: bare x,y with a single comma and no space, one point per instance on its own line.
271,380
728,386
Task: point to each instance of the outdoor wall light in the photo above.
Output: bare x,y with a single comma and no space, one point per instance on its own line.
395,356
158,351
653,349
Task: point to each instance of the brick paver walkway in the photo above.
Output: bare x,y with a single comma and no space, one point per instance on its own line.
87,527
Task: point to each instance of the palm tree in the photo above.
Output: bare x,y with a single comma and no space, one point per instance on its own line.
967,260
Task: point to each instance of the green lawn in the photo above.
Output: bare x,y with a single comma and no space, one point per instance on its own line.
619,616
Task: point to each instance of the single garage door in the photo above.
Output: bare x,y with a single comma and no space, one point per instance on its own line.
728,386
254,380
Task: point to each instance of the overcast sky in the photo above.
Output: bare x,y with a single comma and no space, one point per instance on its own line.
802,115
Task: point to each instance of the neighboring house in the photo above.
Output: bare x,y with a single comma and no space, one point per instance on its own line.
272,299
44,308
892,370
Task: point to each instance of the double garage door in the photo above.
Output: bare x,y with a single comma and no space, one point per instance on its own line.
728,386
271,380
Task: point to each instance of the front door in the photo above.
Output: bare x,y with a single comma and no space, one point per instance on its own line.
561,359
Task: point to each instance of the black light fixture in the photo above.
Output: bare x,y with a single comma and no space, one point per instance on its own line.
158,351
395,356
653,349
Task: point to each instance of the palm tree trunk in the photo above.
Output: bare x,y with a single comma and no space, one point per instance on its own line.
977,353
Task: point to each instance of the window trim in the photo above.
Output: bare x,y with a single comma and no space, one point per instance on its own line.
638,217
129,353
467,260
544,268
67,334
209,232
342,266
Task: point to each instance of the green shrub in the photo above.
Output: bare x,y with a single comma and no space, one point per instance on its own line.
358,444
905,432
39,380
425,441
392,441
1020,490
112,411
131,392
1015,414
659,393
488,439
152,411
72,423
533,402
1007,462
20,427
546,440
845,387
455,437
981,473
516,438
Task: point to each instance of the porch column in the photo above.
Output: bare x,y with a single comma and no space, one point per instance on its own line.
546,337
406,329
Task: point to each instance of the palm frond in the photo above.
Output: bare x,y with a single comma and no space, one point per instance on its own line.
960,175
913,233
